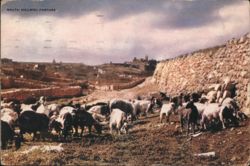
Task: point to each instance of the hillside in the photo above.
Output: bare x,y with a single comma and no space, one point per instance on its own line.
21,80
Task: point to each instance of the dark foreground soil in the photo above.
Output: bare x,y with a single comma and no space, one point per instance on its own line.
148,143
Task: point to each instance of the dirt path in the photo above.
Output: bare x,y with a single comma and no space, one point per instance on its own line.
144,89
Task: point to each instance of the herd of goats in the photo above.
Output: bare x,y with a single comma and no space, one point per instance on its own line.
197,111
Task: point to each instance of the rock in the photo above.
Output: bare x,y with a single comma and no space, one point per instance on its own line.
243,73
233,158
242,40
239,133
208,154
196,135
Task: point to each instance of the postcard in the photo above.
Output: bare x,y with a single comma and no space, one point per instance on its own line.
125,82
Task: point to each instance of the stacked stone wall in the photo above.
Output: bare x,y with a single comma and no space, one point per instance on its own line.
197,71
57,92
120,86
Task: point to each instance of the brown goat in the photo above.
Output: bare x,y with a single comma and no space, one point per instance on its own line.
190,115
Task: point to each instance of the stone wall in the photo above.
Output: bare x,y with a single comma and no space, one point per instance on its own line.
57,92
120,86
197,71
128,85
11,82
7,82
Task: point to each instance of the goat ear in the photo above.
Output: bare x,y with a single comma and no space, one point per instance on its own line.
12,103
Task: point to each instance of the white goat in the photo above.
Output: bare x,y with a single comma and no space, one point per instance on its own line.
8,115
166,111
118,121
215,111
142,106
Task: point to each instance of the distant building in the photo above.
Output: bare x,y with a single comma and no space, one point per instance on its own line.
6,61
135,59
141,59
39,67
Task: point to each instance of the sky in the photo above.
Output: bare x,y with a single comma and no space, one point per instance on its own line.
100,31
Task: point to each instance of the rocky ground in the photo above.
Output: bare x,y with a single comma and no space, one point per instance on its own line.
147,143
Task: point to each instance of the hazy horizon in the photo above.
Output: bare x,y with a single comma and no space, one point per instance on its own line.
97,32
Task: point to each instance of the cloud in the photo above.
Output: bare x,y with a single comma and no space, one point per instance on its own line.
186,14
178,13
118,31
